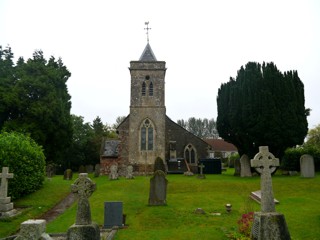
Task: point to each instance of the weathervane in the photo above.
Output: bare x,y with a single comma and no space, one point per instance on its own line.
147,28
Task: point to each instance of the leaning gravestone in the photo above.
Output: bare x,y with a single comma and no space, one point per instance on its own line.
267,224
33,229
83,229
245,169
113,175
6,206
307,166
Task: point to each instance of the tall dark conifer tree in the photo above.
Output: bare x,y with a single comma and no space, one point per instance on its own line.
260,107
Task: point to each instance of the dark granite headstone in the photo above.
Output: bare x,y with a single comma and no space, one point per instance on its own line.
113,215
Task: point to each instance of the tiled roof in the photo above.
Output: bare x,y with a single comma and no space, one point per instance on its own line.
221,145
147,55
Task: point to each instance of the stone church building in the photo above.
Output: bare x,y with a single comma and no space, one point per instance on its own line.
147,132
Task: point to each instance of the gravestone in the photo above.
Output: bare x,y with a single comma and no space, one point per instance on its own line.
50,170
67,175
256,196
159,165
201,175
82,169
158,189
236,167
97,170
245,169
89,168
307,166
113,175
129,172
6,206
84,228
267,224
113,216
33,229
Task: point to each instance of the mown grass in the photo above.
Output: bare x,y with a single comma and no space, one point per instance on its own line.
299,202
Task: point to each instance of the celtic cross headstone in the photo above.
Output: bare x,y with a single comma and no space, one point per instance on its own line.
83,187
267,224
263,162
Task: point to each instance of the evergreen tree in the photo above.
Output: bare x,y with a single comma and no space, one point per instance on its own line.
36,101
260,107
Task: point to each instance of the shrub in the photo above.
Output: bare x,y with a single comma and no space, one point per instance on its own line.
25,160
291,159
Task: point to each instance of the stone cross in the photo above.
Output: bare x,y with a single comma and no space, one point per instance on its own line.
5,175
83,187
263,162
201,166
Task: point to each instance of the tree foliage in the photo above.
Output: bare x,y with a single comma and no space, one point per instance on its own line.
262,107
203,128
313,138
25,160
35,100
86,142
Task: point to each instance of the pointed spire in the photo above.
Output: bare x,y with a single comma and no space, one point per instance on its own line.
147,55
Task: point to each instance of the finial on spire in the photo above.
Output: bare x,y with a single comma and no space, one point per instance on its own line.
147,28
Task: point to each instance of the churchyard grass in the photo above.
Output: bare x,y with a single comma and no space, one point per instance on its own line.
299,202
37,203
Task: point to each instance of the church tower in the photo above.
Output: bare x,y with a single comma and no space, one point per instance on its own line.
147,111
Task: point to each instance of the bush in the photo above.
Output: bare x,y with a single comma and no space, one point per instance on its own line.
291,159
25,160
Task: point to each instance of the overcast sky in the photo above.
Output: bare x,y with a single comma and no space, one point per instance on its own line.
204,43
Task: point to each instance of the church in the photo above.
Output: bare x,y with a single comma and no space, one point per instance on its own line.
147,132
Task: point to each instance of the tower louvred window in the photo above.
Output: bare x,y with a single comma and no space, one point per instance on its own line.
143,89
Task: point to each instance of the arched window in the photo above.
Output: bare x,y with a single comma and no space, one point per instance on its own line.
146,142
190,154
151,89
143,89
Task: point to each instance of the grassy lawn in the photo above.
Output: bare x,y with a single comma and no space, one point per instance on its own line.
299,202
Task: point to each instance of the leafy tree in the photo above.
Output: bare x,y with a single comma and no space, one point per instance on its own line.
313,137
25,159
262,106
119,120
203,128
36,101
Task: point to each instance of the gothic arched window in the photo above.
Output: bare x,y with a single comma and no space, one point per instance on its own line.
143,91
146,139
190,154
151,89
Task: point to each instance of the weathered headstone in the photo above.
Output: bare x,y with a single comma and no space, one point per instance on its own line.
158,189
113,214
83,229
50,170
67,175
245,169
129,172
237,167
5,202
267,224
159,165
201,175
89,168
33,229
113,175
307,166
97,170
82,169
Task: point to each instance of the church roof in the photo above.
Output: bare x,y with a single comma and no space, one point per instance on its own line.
148,55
